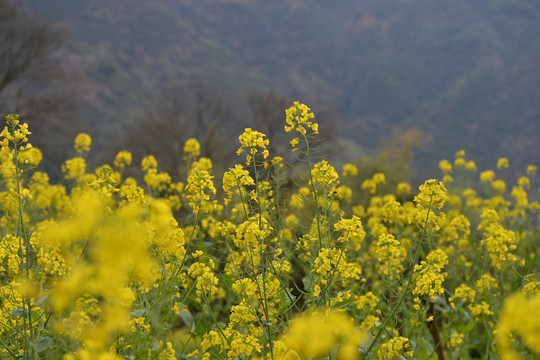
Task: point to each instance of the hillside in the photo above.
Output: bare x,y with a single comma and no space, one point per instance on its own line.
464,72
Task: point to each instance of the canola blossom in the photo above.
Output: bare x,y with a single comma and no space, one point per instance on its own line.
247,265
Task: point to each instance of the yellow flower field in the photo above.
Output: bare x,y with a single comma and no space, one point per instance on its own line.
254,265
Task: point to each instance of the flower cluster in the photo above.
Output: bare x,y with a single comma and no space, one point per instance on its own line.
318,333
253,141
104,266
298,118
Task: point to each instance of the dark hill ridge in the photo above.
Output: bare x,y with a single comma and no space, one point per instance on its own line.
465,72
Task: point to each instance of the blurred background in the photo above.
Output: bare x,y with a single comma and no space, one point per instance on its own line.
396,84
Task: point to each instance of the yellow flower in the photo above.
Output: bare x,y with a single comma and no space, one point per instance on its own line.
456,339
203,163
447,179
499,186
122,159
254,141
393,348
324,176
82,143
524,182
431,277
464,292
379,178
206,280
14,131
370,185
199,185
236,178
192,148
389,255
487,176
460,153
459,162
277,161
167,353
486,283
319,333
499,242
502,163
531,170
350,170
148,162
431,192
29,155
74,169
298,118
445,166
403,188
479,309
470,166
353,232
367,301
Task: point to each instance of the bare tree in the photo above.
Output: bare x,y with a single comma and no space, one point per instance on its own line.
216,118
268,116
37,81
178,112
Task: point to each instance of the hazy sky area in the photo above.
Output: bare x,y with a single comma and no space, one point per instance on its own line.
443,75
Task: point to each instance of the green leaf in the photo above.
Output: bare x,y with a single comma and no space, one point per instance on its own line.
41,343
463,329
17,312
187,318
139,313
41,300
422,355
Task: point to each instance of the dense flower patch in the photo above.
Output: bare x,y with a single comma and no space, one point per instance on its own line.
248,266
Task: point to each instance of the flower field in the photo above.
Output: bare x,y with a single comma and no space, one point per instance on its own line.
268,261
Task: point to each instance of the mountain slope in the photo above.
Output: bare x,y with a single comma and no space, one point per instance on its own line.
464,72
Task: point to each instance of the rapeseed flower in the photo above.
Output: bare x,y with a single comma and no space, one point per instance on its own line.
389,255
102,266
487,176
321,332
253,141
192,148
82,143
502,163
393,348
350,170
532,170
122,159
445,166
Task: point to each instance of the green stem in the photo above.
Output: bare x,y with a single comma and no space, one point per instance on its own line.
409,282
264,297
24,247
314,190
